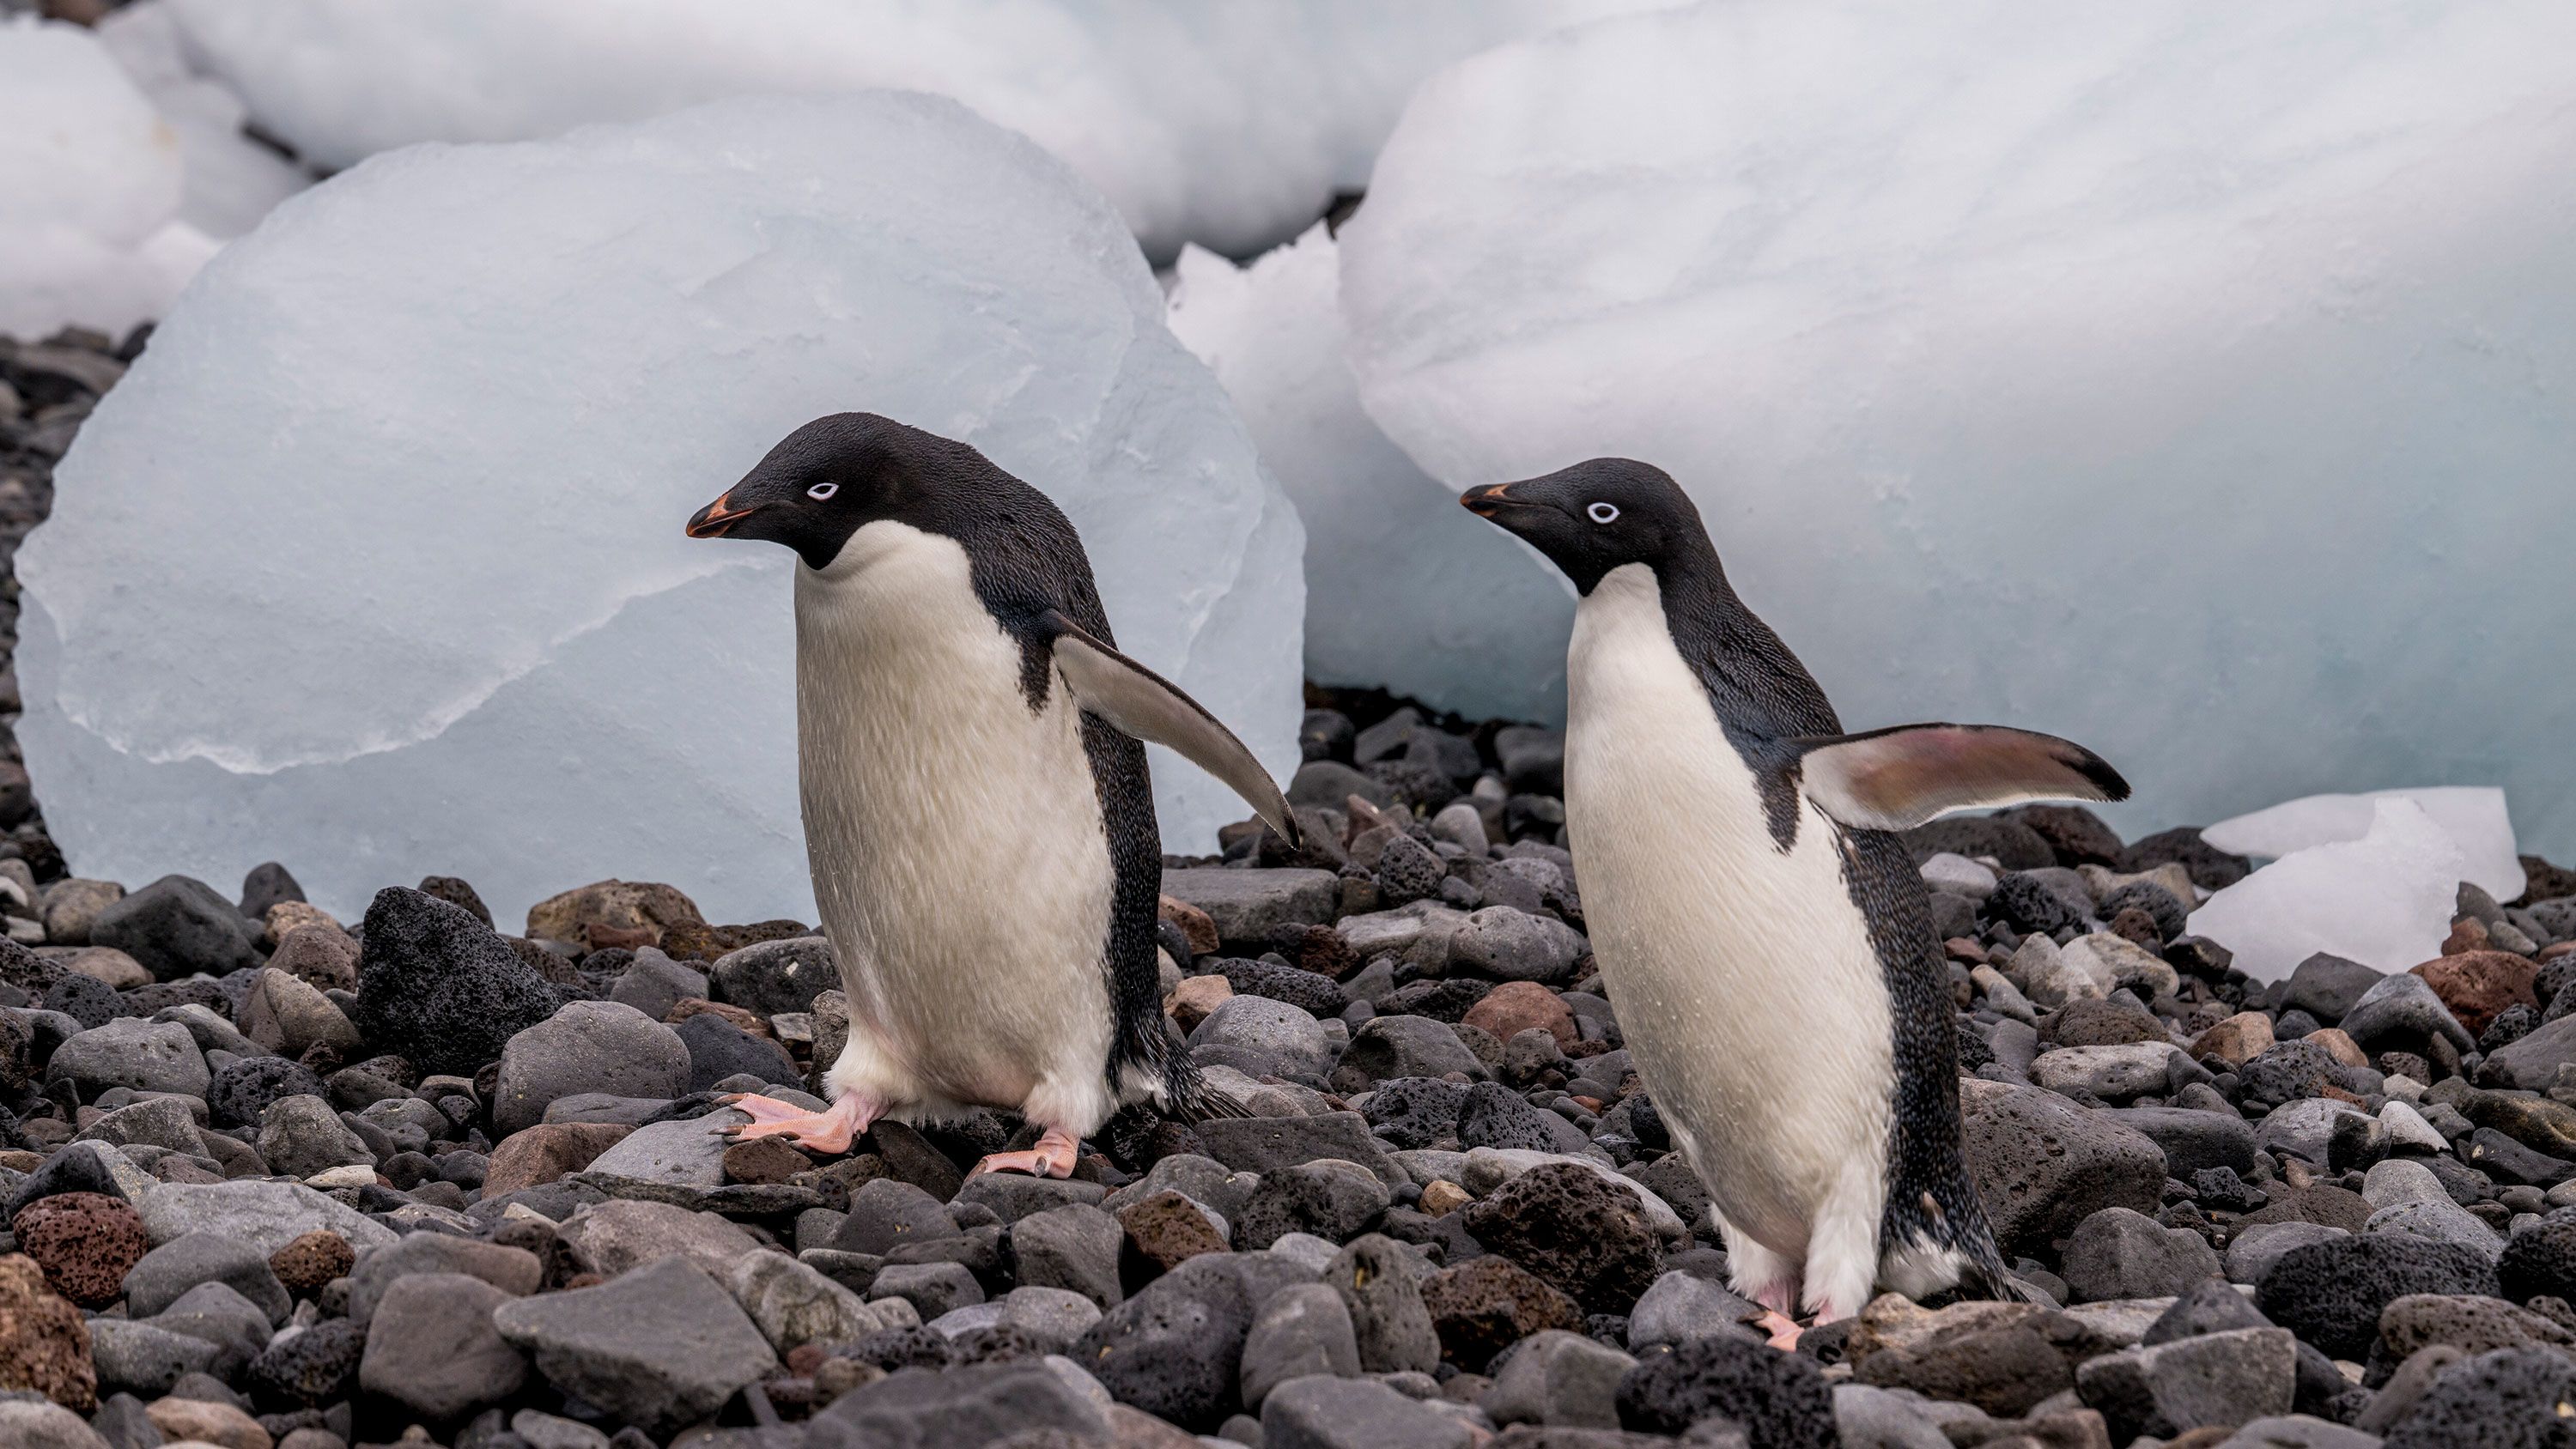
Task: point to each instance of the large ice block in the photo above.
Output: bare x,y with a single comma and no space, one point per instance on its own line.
374,563
1404,589
2474,818
230,180
1230,124
90,182
2383,898
2196,380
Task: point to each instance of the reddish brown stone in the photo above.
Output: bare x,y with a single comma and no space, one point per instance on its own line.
2479,985
1197,926
2468,933
319,955
2237,1040
763,1159
1165,1231
546,1152
1485,1305
612,913
2339,1046
1518,1006
44,1342
201,1421
85,1242
1195,997
312,1261
689,1006
2138,928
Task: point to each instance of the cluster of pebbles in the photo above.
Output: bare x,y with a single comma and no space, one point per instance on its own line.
271,1180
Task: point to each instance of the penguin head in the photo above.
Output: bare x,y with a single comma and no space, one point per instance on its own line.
822,483
1595,516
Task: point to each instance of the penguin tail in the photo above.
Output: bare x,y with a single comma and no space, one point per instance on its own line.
1191,1097
1970,1243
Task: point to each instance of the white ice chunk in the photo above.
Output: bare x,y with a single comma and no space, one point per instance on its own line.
1404,589
374,563
1228,124
2188,379
2384,899
89,187
2474,818
231,181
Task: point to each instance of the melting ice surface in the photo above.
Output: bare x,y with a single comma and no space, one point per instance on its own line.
2474,818
1404,589
2383,898
374,562
1229,124
2195,380
90,188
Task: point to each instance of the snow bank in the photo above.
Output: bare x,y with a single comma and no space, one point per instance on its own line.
230,181
1231,125
2383,898
406,472
89,187
1404,589
2196,380
2475,820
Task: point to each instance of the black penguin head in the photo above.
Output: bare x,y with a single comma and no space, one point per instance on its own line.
1595,516
822,483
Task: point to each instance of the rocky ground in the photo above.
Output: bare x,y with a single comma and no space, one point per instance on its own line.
273,1179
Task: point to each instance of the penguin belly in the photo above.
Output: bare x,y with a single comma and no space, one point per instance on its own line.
1744,976
956,841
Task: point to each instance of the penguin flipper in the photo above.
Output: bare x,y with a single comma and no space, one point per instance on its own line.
1898,778
1137,701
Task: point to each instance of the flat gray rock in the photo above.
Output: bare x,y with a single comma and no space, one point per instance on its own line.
683,1153
267,1215
661,1347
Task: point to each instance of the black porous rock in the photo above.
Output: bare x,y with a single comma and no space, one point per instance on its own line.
2210,868
312,1368
84,999
1175,1349
2009,841
2025,903
1311,992
2155,900
456,892
1584,1235
437,986
2331,1293
1780,1399
1414,1112
1493,1115
2513,1398
2539,1259
242,1091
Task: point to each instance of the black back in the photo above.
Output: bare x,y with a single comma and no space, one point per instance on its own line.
1026,563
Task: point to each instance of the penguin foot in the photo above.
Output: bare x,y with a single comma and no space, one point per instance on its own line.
1052,1157
1783,1329
831,1130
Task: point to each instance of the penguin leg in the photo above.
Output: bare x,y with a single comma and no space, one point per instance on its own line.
831,1130
1755,1272
1842,1245
1052,1157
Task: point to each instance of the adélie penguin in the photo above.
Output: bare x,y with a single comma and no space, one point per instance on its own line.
978,819
1766,938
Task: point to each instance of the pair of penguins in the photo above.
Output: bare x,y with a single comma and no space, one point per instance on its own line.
981,834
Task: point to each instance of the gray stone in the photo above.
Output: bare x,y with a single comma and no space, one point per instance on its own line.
1074,1247
653,983
145,1359
2253,1251
775,978
1277,1033
1019,1402
163,1122
1328,1197
1386,1048
1380,1283
81,1167
2112,1073
1303,1329
156,1281
289,1016
687,1152
792,1304
2298,1431
433,1349
302,1136
719,1050
1514,945
2303,1128
36,1424
515,1271
588,1046
2041,1164
2192,1140
216,1314
623,1233
931,1288
1560,1380
1488,1168
1683,1306
176,927
2121,1253
1013,1196
1202,1180
546,1431
2212,1306
267,1215
886,1214
1420,934
1251,907
1260,1144
661,1347
2438,1220
2223,1379
2403,1005
1320,1412
2326,987
148,1056
1053,1318
1875,1418
2533,1062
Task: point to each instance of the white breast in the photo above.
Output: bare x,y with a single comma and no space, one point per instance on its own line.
1744,977
955,838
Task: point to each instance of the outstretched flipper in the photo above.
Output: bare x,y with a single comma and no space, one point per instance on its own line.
1898,778
1139,702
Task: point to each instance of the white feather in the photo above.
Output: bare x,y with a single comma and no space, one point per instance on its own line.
1744,978
955,840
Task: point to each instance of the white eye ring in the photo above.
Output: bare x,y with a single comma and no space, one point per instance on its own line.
821,491
1603,512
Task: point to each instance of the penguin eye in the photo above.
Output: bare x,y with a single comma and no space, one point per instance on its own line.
821,491
1603,512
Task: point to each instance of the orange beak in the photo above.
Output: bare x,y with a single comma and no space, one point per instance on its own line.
715,520
1484,502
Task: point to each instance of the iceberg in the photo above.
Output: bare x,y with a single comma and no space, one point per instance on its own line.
374,564
2192,380
2474,818
229,180
1230,125
90,188
2383,899
1405,590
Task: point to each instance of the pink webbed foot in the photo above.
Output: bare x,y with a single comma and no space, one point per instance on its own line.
1052,1157
1783,1329
831,1130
